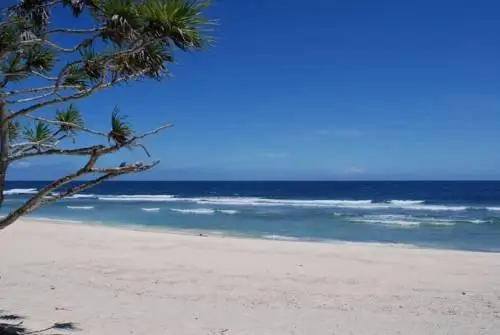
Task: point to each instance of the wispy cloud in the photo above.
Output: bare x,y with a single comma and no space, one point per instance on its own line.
354,170
338,132
274,155
21,165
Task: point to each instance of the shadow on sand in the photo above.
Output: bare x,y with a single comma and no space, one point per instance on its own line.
13,324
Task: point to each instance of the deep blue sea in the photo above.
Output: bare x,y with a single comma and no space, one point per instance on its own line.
457,215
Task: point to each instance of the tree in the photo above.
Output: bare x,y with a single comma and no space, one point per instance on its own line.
124,41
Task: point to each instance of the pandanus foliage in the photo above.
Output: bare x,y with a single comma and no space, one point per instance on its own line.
116,42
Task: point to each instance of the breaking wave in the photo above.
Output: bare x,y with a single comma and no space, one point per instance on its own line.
138,197
206,211
80,207
150,209
20,191
83,196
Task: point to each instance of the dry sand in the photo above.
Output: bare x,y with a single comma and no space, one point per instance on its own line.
118,281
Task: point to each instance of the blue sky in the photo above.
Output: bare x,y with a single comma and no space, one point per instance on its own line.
322,90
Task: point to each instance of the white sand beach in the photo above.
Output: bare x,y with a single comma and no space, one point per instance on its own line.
119,281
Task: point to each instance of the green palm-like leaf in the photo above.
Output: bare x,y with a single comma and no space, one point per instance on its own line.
71,115
121,131
40,134
14,67
14,130
93,66
39,58
177,20
76,76
122,21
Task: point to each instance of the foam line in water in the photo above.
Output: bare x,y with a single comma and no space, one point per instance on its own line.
150,209
228,211
404,223
406,202
417,205
20,191
138,197
280,238
80,207
83,196
206,211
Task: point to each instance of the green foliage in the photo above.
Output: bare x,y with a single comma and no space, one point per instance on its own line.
121,130
39,58
14,130
76,76
71,115
140,36
41,133
13,67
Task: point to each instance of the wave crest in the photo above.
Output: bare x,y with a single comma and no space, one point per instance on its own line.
20,191
80,207
205,211
150,209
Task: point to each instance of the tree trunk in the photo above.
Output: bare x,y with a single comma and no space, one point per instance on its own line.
4,149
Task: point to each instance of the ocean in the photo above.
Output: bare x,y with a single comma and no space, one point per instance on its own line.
461,215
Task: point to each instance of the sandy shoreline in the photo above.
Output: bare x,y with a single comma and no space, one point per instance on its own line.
119,281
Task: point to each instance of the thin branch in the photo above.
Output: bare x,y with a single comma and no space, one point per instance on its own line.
133,140
41,75
27,144
91,183
25,100
39,89
67,124
131,168
76,96
36,200
86,151
74,31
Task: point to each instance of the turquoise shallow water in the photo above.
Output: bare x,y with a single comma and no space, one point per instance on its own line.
458,215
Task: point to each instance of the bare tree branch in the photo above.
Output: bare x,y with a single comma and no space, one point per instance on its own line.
86,151
73,31
133,140
76,96
69,124
41,75
131,168
36,200
25,100
112,174
39,89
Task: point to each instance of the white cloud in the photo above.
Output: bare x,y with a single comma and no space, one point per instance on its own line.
355,170
21,164
339,132
275,155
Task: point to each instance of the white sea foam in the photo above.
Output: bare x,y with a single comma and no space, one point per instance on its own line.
20,191
493,208
206,211
438,222
228,211
417,205
404,223
80,207
138,197
406,202
83,196
252,201
280,238
150,209
435,208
